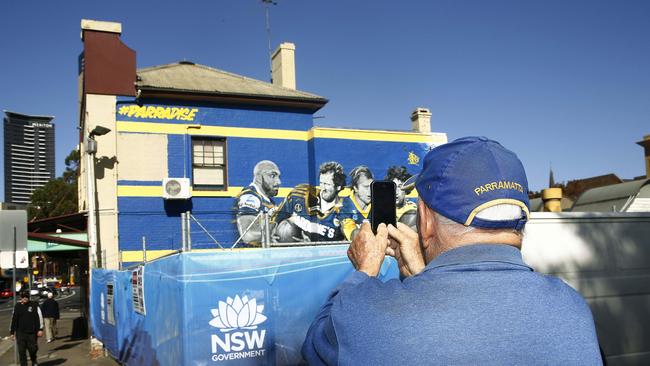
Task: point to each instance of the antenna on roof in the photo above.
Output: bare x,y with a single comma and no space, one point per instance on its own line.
268,32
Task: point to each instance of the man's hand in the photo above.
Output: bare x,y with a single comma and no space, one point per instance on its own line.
40,333
13,337
367,250
404,246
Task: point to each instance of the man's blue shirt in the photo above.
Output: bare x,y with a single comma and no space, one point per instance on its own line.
473,305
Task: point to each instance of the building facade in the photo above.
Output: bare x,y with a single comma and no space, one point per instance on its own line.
230,148
29,155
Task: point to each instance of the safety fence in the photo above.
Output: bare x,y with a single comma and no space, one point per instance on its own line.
209,230
219,308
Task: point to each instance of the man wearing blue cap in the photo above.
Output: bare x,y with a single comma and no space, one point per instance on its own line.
466,297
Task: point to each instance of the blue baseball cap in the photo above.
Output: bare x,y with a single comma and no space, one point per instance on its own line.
470,174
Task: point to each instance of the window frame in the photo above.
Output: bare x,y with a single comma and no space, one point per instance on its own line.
208,187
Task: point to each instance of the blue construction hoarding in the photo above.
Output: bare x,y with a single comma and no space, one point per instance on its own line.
231,307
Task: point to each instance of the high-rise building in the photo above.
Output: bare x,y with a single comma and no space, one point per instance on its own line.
29,154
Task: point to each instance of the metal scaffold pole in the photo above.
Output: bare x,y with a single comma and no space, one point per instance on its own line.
266,242
183,233
188,241
144,250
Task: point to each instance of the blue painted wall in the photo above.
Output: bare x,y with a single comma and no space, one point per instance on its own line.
159,220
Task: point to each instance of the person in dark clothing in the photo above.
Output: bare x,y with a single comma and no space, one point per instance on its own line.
50,310
26,325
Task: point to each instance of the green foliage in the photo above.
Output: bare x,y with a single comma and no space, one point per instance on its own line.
71,167
58,196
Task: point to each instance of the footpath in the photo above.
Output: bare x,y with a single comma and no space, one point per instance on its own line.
62,351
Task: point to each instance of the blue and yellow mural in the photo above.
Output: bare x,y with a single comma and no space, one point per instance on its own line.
311,182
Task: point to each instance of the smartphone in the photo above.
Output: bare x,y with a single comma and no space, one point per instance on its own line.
382,203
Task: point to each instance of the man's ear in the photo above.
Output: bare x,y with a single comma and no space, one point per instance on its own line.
426,224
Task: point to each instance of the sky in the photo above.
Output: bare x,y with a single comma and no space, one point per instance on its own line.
561,83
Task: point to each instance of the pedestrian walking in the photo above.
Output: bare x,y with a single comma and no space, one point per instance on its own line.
50,310
26,326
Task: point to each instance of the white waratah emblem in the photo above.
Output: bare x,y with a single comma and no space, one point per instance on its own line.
243,313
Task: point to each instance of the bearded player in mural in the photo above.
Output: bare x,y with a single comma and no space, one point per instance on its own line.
313,213
256,198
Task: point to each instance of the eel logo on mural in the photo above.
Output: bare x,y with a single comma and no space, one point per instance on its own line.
238,319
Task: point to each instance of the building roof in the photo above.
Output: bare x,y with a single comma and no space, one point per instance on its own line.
574,188
74,222
56,239
608,198
22,116
189,78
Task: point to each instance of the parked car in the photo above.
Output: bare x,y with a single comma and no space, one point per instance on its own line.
6,293
46,290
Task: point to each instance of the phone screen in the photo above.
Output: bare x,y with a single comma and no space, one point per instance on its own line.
382,207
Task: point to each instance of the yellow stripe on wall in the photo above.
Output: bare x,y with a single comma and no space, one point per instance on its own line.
139,191
156,191
136,255
268,133
390,136
199,130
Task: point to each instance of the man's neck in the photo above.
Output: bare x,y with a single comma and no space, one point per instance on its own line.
362,205
448,243
325,206
506,238
260,191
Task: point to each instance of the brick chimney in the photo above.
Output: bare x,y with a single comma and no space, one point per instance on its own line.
646,147
552,198
283,66
107,65
421,120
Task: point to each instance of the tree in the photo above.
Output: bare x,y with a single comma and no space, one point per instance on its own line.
71,167
58,196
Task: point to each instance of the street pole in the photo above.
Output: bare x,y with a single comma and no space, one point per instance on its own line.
91,147
14,286
90,192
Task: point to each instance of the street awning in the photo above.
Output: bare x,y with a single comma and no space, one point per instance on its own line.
37,242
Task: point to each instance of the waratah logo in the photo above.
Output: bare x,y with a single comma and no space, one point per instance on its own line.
238,313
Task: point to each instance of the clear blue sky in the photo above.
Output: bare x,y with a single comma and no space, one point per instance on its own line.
561,82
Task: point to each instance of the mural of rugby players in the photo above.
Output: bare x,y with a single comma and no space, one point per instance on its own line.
310,213
406,210
356,207
256,198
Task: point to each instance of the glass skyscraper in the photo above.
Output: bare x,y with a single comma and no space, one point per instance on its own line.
28,153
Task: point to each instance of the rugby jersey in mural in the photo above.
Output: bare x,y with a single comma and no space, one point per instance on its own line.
304,201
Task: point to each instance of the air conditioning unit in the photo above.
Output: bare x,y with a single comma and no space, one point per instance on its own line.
176,188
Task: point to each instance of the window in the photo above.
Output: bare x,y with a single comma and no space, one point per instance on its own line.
209,163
